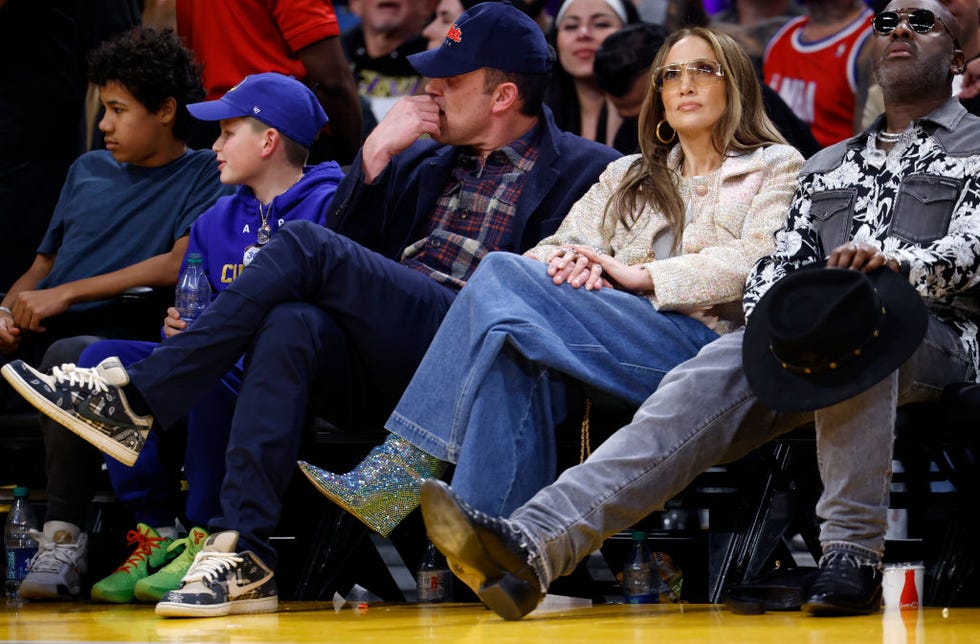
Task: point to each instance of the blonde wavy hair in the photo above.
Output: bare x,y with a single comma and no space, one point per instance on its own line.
743,127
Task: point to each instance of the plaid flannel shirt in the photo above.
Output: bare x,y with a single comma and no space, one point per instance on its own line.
475,213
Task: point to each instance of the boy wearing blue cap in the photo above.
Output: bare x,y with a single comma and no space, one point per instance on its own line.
408,226
268,122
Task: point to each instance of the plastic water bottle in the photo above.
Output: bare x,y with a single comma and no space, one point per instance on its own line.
193,290
17,541
433,577
641,580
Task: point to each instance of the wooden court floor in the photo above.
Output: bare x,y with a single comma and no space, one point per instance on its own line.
470,623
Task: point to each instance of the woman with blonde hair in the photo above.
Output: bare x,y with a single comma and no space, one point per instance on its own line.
648,267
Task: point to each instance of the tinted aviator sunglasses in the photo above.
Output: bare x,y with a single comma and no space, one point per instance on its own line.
921,21
701,73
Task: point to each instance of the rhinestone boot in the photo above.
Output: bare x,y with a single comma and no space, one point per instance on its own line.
384,488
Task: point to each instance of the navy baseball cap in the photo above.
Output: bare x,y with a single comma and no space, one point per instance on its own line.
491,34
278,101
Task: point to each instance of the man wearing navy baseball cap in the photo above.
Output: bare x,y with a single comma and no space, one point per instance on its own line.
473,166
486,87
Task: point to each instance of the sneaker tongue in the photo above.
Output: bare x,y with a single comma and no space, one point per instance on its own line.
221,542
112,370
197,536
147,530
61,532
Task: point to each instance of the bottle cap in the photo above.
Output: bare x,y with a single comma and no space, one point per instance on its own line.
639,535
21,491
194,258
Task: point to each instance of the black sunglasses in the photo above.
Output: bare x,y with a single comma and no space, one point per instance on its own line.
921,21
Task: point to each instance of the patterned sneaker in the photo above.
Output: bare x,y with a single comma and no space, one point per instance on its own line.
222,582
60,562
89,402
150,555
152,588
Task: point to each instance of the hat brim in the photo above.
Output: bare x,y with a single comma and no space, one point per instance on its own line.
900,334
440,63
216,110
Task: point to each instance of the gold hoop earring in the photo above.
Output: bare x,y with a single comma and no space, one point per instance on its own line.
660,137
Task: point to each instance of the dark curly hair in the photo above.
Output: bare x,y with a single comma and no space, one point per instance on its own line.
154,66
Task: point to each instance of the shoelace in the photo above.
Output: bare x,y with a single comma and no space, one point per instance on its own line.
208,565
183,541
79,377
50,554
145,545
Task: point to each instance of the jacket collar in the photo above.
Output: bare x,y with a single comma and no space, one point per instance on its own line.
734,163
947,116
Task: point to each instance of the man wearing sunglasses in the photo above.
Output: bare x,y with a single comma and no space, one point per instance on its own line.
904,194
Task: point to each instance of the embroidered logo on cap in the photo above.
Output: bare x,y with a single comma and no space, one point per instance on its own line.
454,34
256,109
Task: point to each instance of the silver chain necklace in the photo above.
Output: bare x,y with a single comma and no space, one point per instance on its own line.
265,232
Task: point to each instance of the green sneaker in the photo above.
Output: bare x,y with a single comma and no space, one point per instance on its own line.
152,588
150,555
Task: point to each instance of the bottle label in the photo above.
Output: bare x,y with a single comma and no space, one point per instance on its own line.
433,585
18,562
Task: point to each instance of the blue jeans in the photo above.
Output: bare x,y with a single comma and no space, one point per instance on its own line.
492,385
704,413
151,488
312,304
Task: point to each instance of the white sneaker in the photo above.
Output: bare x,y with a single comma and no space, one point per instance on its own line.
56,569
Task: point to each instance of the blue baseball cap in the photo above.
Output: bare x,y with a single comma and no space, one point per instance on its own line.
491,34
278,101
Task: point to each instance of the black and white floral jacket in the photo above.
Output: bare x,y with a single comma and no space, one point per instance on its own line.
919,204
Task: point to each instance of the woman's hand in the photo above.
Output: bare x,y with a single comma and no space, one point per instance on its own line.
568,265
630,278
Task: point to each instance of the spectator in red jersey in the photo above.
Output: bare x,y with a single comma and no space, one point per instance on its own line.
818,65
298,38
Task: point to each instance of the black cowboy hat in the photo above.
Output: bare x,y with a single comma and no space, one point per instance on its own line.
822,335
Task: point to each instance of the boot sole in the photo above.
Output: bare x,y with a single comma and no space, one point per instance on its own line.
87,430
823,608
236,607
477,563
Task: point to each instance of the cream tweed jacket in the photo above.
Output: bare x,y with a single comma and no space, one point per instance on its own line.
732,222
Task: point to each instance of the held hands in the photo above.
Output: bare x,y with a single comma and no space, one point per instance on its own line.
172,324
405,122
628,278
568,265
859,256
580,265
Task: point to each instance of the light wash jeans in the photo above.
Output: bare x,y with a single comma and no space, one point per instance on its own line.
491,387
704,413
